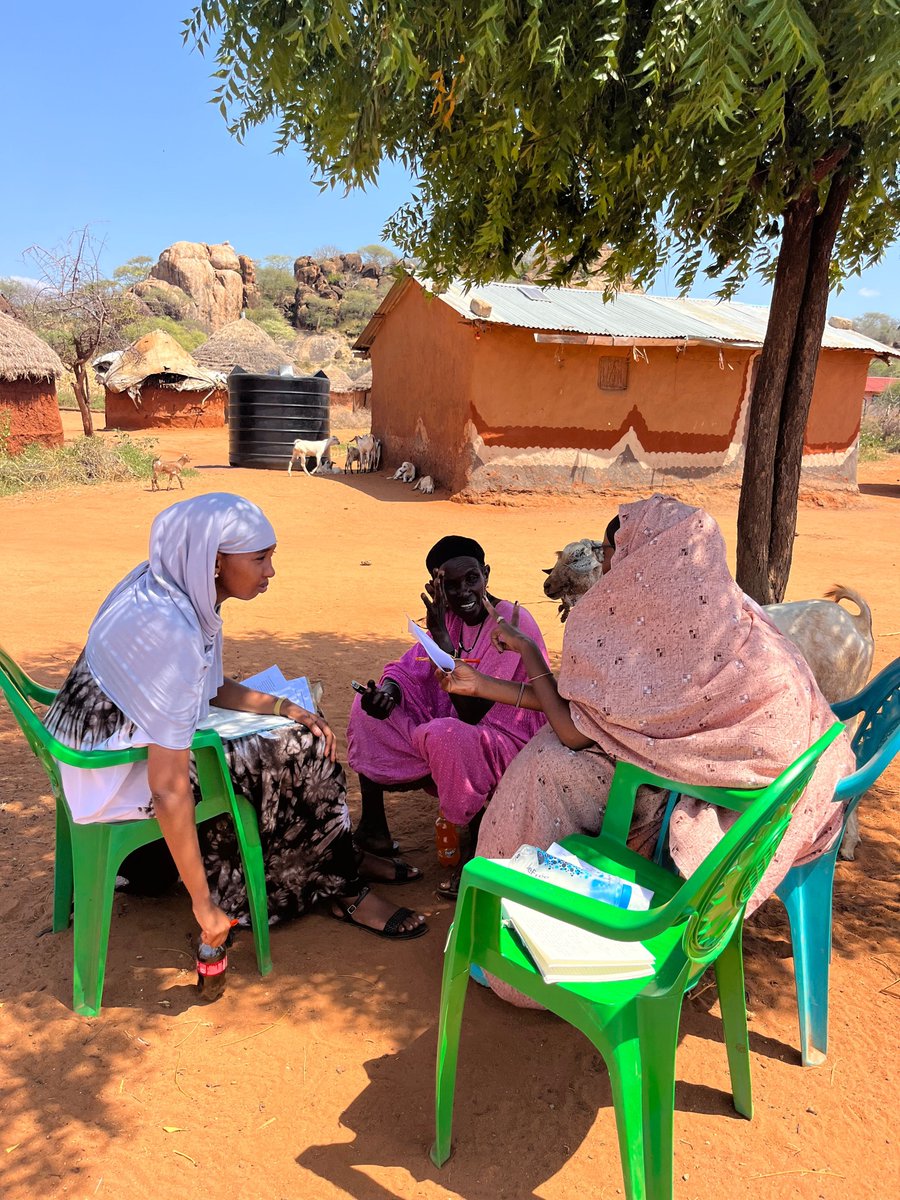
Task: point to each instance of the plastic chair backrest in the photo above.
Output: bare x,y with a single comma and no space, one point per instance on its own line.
27,687
877,738
713,898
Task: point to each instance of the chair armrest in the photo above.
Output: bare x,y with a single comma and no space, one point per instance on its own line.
876,689
853,786
505,882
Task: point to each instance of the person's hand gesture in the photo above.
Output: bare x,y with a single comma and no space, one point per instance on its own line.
314,723
463,680
505,635
435,602
215,925
379,702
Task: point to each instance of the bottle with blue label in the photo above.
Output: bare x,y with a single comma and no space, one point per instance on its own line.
581,878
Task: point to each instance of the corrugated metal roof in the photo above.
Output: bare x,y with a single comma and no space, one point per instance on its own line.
629,315
632,314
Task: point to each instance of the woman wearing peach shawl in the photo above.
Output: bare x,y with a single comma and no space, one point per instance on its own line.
668,665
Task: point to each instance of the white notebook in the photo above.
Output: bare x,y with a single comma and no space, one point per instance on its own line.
564,953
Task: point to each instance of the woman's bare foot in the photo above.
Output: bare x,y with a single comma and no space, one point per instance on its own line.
370,912
373,868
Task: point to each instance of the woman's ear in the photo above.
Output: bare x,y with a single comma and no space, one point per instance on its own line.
486,571
218,566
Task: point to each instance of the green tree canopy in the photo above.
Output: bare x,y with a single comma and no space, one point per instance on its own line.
133,271
761,133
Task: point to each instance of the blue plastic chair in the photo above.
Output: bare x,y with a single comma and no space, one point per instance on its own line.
806,891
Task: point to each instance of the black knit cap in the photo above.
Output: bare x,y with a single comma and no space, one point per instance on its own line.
452,546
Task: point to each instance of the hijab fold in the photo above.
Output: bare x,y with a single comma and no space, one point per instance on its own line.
155,646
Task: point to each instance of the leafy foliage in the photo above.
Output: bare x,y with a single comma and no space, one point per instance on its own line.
560,126
880,326
272,321
383,256
188,334
133,271
84,461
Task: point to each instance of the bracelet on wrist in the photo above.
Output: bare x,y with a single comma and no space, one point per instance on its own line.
276,708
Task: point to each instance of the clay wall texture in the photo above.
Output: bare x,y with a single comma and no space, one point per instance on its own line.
163,408
488,408
30,406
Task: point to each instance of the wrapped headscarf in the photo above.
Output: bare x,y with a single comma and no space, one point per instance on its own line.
155,646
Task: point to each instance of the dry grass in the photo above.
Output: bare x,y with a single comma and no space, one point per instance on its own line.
84,461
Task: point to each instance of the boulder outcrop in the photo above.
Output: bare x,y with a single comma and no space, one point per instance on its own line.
215,278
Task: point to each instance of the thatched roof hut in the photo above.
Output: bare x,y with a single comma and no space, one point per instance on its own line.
23,355
339,380
156,384
29,369
242,344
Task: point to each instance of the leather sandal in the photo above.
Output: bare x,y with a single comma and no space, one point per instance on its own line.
391,928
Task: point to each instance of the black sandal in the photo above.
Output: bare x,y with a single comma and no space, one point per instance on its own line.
363,843
391,928
404,872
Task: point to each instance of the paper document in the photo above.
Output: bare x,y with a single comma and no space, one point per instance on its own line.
565,953
439,657
272,680
230,724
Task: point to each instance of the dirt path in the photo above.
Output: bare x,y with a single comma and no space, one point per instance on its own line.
317,1082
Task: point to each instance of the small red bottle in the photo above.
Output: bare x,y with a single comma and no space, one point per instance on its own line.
446,840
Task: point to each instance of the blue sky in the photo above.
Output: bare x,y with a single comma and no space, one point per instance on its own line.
106,122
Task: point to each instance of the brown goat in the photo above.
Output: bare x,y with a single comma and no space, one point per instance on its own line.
170,467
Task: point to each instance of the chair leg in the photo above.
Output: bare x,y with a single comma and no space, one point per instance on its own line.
247,830
729,968
658,1021
63,884
621,1051
806,893
95,880
453,998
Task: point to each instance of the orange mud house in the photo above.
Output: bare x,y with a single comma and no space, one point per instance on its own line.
155,384
508,387
29,369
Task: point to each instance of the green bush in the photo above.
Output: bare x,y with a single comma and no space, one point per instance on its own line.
356,308
188,334
319,314
879,432
272,321
275,283
85,461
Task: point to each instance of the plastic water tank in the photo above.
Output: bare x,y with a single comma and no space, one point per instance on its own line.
267,413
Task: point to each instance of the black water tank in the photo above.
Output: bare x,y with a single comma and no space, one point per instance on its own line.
266,413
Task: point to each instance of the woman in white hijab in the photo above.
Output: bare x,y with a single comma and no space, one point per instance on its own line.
151,667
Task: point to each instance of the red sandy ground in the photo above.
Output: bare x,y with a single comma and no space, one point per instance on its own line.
317,1081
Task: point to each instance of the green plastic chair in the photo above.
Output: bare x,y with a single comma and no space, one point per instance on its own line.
633,1024
88,857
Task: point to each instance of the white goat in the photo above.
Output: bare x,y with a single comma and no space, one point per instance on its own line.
838,645
365,446
424,484
375,457
406,472
304,449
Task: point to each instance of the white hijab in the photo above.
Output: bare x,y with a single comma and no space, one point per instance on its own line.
155,646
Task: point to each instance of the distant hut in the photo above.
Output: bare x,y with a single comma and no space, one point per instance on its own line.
29,369
241,344
155,384
346,391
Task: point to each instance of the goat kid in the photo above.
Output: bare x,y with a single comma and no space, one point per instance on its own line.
170,467
424,484
303,449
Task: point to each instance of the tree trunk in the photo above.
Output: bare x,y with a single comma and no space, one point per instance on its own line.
82,397
798,387
779,408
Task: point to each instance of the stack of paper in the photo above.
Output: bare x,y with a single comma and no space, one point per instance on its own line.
230,724
565,953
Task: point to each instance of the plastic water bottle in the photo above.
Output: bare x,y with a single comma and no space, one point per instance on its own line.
588,881
446,840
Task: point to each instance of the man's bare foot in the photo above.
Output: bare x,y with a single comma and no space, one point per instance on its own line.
370,912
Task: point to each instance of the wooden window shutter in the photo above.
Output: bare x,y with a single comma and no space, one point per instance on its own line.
613,374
